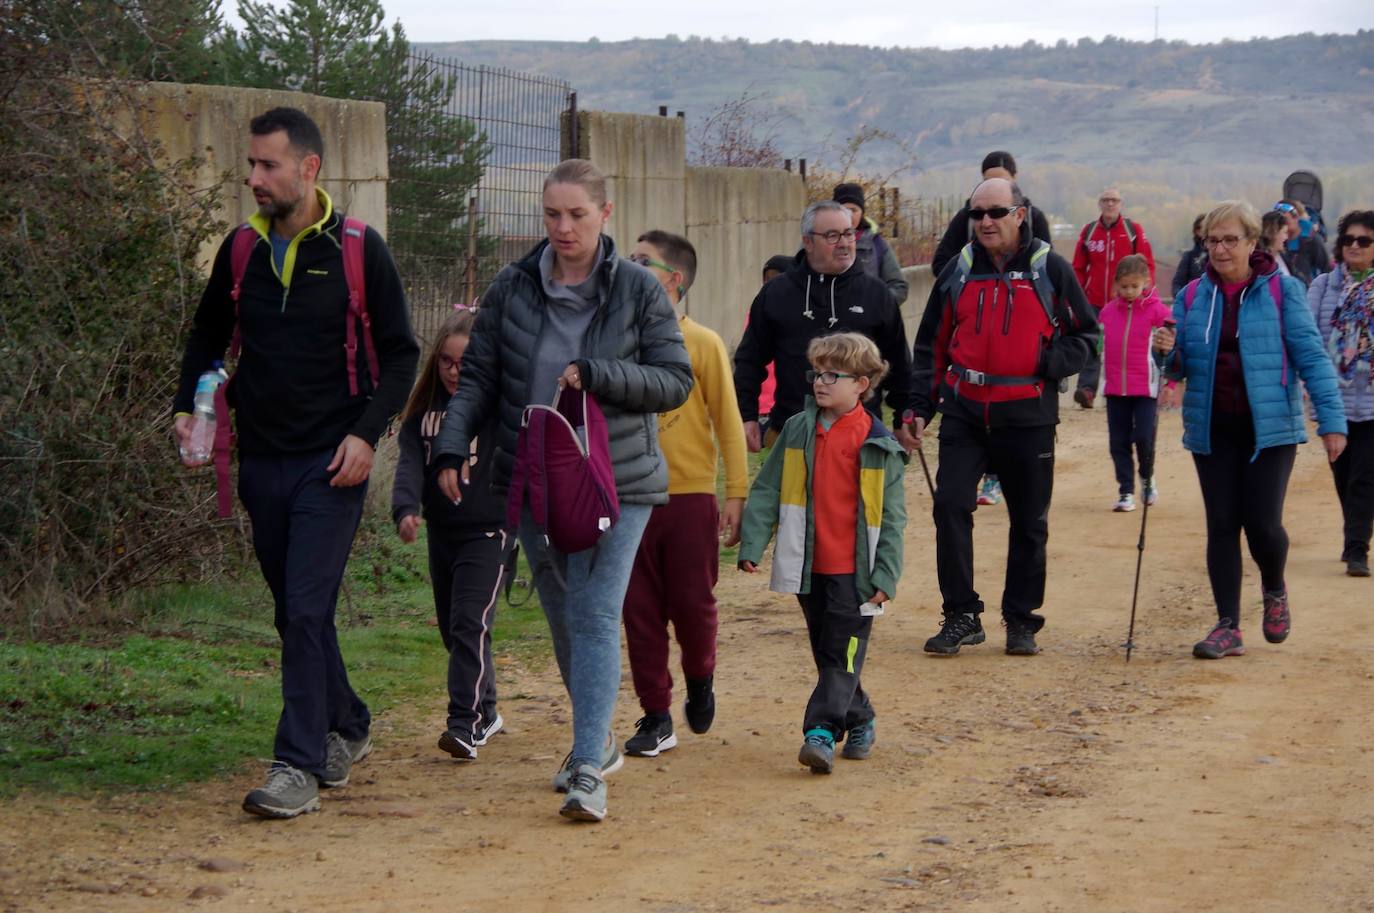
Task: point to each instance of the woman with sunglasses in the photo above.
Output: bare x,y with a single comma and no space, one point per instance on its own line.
572,313
1244,337
1342,302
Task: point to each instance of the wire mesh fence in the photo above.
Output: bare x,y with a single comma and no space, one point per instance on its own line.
470,146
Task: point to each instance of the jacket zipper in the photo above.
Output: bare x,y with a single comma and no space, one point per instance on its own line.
1125,348
978,321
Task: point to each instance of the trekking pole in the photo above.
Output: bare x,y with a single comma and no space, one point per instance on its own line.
1144,516
920,451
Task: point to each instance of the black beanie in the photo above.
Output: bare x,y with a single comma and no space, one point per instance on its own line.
849,193
778,262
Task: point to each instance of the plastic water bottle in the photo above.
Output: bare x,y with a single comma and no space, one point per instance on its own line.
200,445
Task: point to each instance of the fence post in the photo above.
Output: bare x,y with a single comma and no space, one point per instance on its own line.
896,212
574,151
801,164
470,278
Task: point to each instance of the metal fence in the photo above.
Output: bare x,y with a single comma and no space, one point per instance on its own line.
467,169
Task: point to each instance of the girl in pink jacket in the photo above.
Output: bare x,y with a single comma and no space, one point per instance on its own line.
1130,377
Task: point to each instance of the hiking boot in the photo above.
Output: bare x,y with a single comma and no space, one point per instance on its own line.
458,744
1084,396
1356,565
586,793
956,631
1151,492
287,793
991,492
1124,503
1277,621
484,733
654,735
818,751
859,741
1021,639
611,761
701,704
339,757
1223,640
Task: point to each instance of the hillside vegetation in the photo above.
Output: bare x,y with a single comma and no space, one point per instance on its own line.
1176,124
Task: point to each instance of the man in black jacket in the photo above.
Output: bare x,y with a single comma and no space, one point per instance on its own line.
997,164
305,440
1001,328
823,292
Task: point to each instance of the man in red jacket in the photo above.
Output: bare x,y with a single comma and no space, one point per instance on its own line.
1101,245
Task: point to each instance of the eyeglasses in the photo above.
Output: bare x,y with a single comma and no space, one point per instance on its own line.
446,363
643,260
829,378
833,237
1360,241
1227,243
997,212
1109,199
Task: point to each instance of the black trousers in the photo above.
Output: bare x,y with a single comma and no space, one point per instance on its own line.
465,572
1354,475
1131,422
1023,461
839,642
1241,494
302,533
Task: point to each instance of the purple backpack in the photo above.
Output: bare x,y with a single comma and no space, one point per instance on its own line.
563,465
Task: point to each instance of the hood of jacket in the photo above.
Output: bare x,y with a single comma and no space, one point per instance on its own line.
606,270
1143,303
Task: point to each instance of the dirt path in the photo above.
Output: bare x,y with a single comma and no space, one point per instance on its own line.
1064,782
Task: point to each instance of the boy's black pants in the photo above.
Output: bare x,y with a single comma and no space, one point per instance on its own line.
1023,461
839,641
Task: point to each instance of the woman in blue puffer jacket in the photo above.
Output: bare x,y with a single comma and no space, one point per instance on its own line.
1244,337
1342,303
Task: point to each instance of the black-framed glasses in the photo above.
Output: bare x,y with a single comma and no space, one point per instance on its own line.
833,237
1360,241
643,260
995,213
1228,242
446,363
829,378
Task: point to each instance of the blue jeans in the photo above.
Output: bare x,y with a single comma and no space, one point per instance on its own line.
583,609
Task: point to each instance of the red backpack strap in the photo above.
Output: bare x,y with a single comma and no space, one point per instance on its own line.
354,231
223,446
240,252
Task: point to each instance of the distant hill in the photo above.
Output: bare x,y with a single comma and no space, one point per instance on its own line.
1185,118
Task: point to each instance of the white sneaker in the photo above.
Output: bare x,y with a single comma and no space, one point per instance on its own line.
1151,492
484,733
1124,503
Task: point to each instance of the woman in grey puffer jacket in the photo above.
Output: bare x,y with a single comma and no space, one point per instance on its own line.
1342,302
572,313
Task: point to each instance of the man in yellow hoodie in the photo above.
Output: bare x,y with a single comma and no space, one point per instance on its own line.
678,562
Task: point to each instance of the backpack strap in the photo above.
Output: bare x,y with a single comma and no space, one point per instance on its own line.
240,252
1039,277
354,230
1189,293
1276,292
1130,233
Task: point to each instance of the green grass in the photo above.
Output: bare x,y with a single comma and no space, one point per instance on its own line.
192,691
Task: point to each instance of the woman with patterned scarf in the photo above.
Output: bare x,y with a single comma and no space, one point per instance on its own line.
1342,302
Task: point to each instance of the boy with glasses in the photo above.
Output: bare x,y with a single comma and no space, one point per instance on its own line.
832,490
678,561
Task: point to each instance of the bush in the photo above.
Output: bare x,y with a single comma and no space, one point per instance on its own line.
98,240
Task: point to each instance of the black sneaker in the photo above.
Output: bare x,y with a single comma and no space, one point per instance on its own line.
458,744
654,735
858,743
701,704
956,631
1357,566
1021,639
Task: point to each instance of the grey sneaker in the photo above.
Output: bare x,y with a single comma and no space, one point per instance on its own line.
611,761
339,757
859,742
287,793
586,794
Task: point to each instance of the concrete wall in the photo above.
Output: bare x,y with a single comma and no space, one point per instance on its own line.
212,122
735,217
921,280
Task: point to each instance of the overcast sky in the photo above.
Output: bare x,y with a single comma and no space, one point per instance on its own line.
874,22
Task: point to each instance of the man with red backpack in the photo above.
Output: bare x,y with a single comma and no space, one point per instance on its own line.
1102,244
1005,322
328,357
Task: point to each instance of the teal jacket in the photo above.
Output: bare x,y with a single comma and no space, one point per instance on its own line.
780,500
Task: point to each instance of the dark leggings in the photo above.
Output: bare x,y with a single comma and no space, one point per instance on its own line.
1131,421
1242,494
1353,472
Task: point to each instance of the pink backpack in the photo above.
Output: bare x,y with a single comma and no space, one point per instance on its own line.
563,465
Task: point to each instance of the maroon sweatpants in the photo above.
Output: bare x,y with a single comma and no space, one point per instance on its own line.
674,575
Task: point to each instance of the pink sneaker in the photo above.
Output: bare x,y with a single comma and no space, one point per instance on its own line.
1277,621
1224,640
